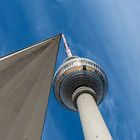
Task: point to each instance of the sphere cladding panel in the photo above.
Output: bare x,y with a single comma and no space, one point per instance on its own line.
78,72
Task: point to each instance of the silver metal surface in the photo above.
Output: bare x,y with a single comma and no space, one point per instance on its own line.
68,51
76,72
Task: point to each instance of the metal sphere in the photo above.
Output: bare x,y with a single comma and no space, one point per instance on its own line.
76,72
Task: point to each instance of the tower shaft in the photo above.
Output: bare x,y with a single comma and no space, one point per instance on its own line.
94,127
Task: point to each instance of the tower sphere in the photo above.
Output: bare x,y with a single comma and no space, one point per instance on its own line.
78,72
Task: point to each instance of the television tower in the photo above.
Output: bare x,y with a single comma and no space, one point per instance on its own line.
80,85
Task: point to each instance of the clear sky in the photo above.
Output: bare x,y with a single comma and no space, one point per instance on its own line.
107,31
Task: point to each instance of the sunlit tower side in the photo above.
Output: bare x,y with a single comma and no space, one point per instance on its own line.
80,84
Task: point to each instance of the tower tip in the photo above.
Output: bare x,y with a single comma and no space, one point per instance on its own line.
68,51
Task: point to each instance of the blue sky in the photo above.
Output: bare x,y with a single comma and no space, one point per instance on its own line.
103,30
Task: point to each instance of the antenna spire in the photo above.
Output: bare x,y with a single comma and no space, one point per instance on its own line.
68,51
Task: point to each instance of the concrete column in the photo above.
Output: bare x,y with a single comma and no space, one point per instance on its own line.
94,127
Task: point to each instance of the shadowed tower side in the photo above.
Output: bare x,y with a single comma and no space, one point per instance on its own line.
25,81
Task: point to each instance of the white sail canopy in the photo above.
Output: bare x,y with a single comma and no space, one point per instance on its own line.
25,81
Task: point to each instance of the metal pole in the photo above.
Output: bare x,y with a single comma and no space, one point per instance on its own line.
94,127
68,51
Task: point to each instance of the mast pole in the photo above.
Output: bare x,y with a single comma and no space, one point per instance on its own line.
68,51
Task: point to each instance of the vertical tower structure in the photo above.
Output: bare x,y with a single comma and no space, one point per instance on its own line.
80,85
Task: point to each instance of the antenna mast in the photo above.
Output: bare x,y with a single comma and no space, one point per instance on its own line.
68,51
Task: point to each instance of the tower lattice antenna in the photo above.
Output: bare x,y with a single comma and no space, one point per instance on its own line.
68,51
